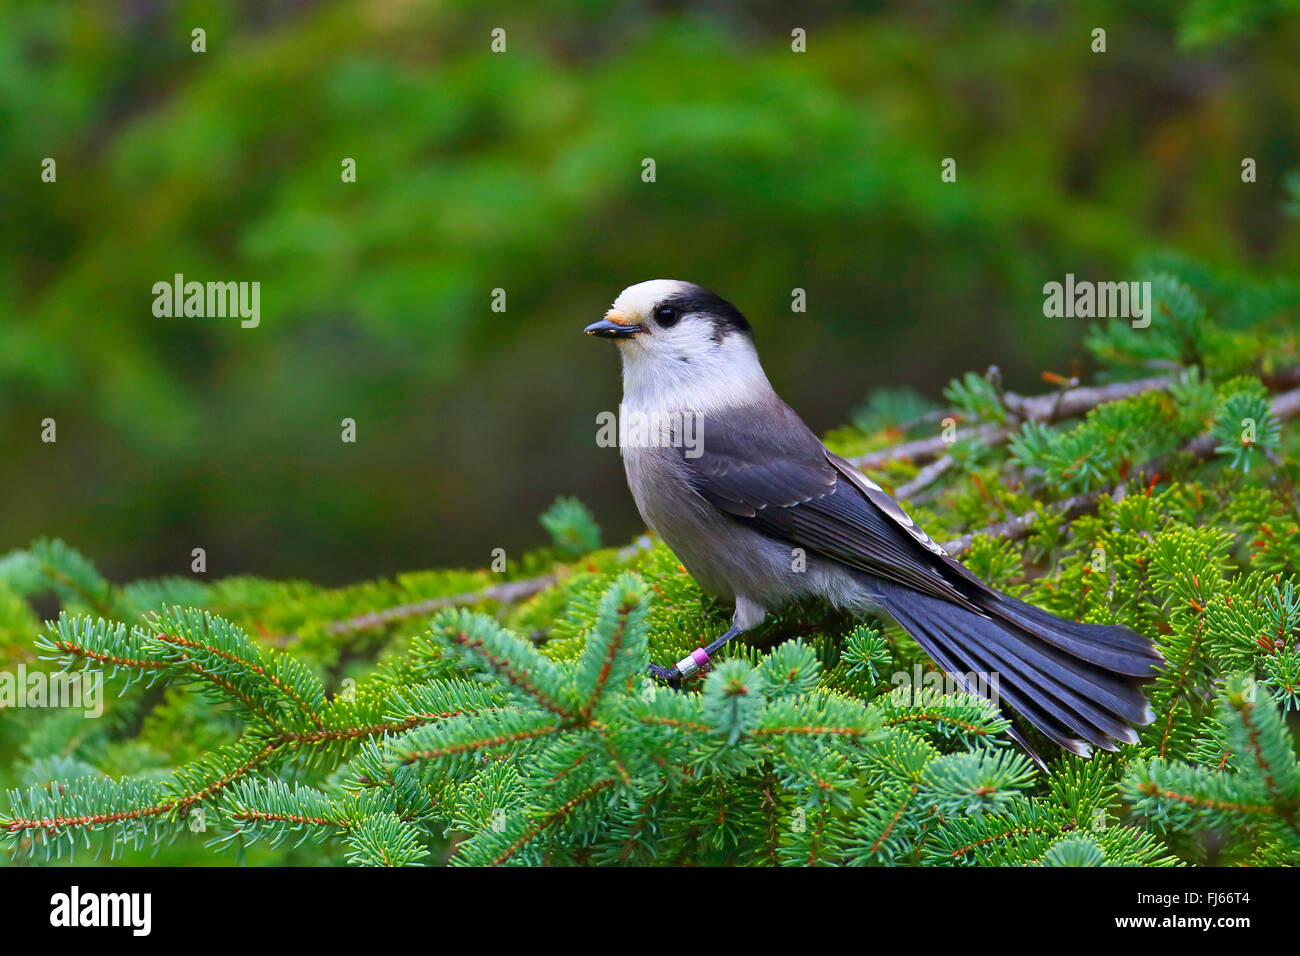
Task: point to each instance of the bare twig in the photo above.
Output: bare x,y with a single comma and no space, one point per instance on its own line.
1054,406
924,478
927,449
1049,407
508,592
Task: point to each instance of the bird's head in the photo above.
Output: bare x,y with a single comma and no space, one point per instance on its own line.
670,316
681,342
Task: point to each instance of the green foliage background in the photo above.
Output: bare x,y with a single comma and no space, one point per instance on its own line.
522,171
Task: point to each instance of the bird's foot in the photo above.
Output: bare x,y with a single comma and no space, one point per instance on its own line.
696,662
667,675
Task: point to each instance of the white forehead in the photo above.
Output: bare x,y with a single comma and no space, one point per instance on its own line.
639,299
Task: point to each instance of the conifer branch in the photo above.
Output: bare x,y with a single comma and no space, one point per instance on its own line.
554,817
1045,408
1285,407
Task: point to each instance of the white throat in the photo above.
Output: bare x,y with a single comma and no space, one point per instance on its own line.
725,375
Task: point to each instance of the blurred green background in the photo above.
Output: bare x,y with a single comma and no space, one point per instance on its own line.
522,170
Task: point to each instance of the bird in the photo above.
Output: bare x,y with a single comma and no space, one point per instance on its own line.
761,514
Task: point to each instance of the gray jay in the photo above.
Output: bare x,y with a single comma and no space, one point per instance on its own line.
761,513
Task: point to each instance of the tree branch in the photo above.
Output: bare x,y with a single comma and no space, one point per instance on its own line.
1285,407
1051,407
1046,408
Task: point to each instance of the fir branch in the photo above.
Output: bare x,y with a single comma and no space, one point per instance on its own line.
1046,408
1285,407
616,649
556,816
1252,797
384,839
459,738
480,642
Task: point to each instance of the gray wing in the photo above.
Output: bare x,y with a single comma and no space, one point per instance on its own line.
768,471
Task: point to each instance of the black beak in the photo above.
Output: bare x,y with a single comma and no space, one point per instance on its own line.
613,330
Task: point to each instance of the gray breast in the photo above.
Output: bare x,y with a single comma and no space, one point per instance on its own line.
727,559
696,532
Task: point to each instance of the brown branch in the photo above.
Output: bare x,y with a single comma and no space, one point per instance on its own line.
77,650
893,821
551,819
451,750
1150,789
1052,407
993,838
506,669
184,801
611,654
184,642
1246,711
52,825
935,718
251,815
815,731
509,592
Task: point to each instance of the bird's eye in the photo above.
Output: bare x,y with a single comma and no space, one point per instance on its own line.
666,316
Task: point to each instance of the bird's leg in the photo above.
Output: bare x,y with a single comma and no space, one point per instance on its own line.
735,631
669,675
694,662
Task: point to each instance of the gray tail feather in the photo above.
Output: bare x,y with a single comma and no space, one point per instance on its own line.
1079,684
